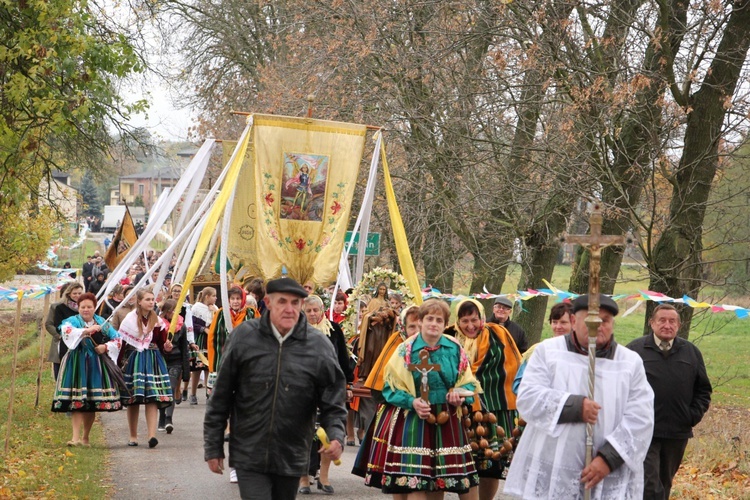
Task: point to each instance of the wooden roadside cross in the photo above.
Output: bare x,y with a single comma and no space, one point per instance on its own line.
595,242
424,367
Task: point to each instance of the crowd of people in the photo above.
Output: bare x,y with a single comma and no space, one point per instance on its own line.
434,406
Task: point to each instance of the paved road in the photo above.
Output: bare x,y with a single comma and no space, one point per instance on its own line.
176,467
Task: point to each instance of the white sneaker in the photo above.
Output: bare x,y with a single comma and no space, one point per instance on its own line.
232,476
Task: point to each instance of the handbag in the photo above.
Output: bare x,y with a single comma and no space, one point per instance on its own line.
114,371
115,374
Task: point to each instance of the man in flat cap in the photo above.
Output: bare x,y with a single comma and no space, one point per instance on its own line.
276,371
501,311
550,459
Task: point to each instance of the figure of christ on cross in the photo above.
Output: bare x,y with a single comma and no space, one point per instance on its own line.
424,367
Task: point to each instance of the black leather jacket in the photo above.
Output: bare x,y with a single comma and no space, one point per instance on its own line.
271,392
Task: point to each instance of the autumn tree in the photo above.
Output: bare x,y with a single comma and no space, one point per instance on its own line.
675,265
503,118
59,109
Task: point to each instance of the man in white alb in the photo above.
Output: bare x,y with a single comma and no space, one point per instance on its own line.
550,459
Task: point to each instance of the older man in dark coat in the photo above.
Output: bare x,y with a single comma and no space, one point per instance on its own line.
277,371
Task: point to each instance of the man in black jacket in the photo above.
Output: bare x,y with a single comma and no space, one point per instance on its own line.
501,310
86,270
276,371
682,394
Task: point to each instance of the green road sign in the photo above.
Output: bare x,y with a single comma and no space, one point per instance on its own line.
373,243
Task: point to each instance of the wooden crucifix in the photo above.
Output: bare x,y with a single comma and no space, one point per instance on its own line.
424,367
595,242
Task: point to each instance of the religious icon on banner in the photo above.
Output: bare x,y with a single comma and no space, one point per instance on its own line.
304,187
125,237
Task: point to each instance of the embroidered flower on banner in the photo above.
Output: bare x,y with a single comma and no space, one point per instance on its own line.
269,199
335,207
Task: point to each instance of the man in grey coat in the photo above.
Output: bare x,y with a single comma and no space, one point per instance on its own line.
276,372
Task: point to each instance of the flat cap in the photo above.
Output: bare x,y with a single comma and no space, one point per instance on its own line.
286,285
504,301
605,303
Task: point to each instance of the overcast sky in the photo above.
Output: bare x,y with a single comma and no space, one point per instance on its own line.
164,119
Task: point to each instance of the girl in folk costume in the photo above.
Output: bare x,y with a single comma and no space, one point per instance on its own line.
315,313
427,450
174,293
145,371
202,312
217,334
176,356
84,385
494,361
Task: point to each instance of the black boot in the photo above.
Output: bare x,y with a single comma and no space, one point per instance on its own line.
162,418
169,425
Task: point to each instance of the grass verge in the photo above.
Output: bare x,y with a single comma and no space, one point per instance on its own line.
38,464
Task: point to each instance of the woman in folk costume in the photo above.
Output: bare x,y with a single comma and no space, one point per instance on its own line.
427,448
203,313
494,361
145,371
371,457
84,385
315,313
217,334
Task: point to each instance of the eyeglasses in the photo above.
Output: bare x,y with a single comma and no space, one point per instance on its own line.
504,308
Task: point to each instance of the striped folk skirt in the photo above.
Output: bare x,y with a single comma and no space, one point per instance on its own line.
147,377
492,465
372,450
420,456
84,384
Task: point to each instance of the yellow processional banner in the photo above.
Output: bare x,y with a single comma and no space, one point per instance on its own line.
294,197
